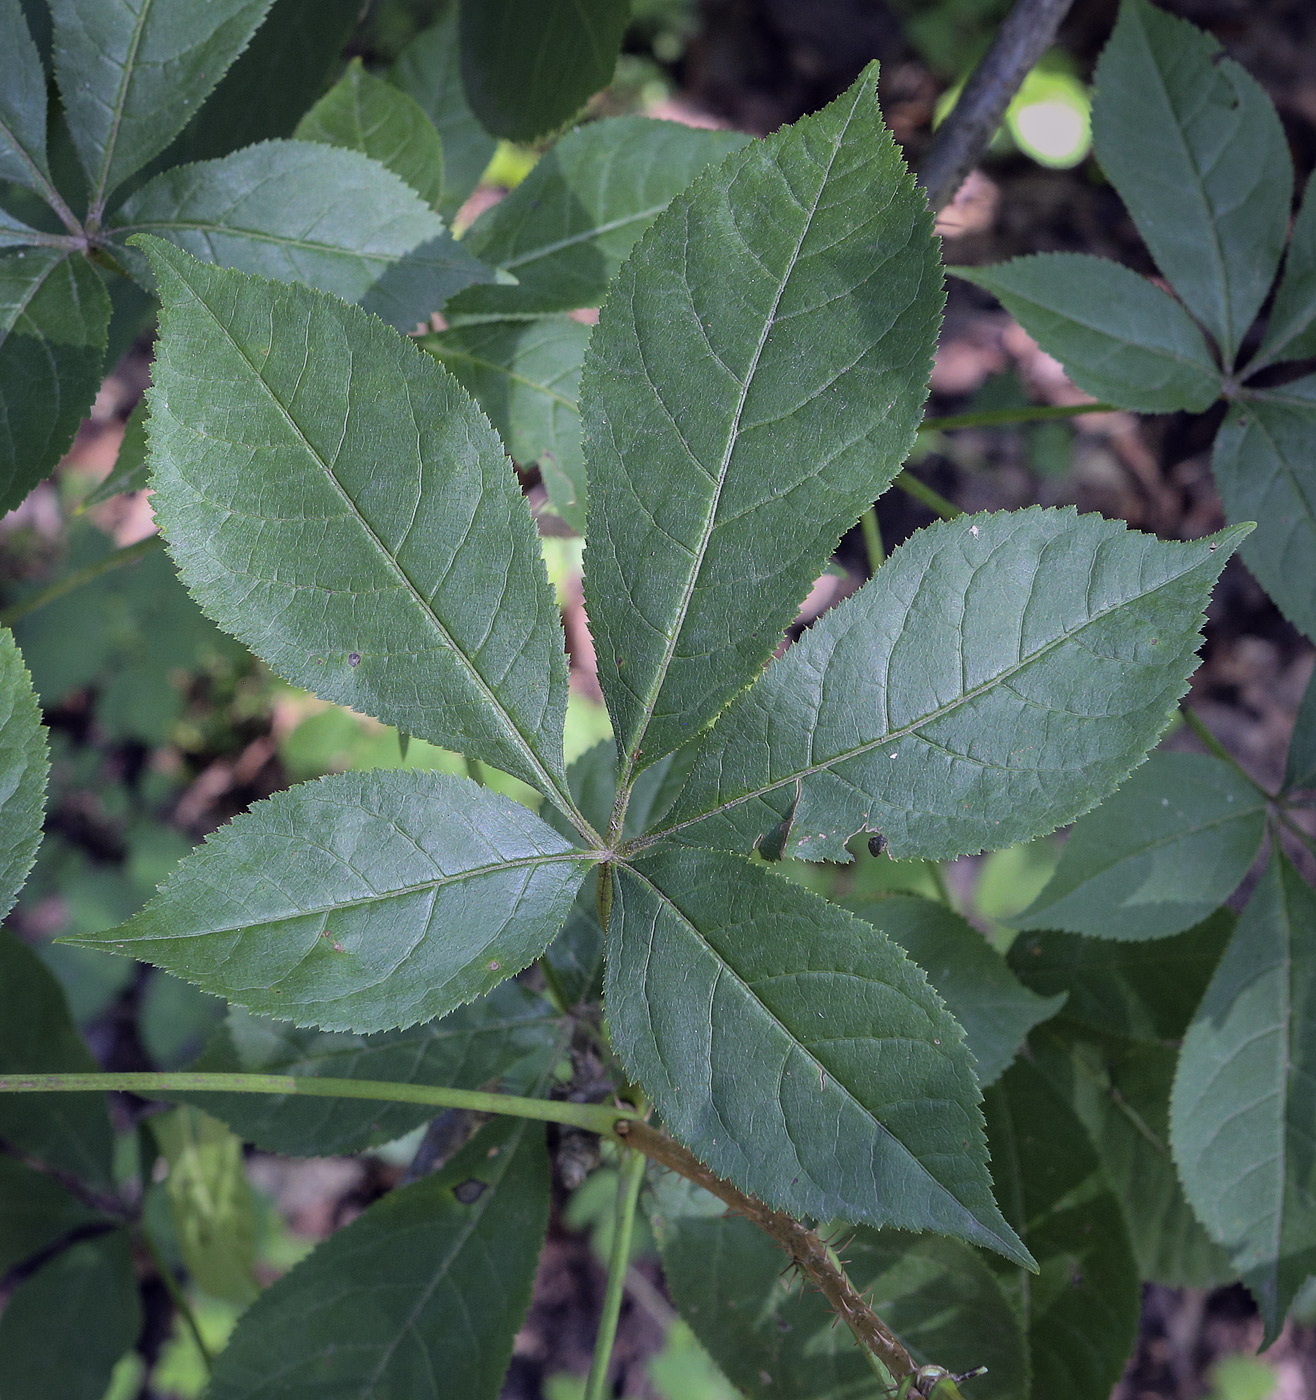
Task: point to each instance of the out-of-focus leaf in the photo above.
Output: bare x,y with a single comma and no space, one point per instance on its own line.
35,1212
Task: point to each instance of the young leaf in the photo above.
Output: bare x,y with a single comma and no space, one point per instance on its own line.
361,902
1197,153
527,69
131,73
22,104
90,1287
416,594
1242,1113
1291,329
304,212
568,226
35,1212
1158,856
753,383
431,1282
1119,337
1300,769
526,377
467,1049
54,313
796,1050
997,677
24,767
1264,463
364,113
774,1339
979,990
429,70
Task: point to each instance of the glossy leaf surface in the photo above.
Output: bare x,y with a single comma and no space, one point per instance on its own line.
22,103
1197,153
1244,1106
796,1050
1158,856
24,766
419,1297
1291,328
754,382
1119,336
416,594
998,676
362,902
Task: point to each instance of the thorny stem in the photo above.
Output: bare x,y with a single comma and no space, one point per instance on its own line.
628,1196
177,1296
116,559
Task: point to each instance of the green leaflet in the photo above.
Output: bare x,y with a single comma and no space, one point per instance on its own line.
1243,1114
1198,156
1264,463
54,314
1119,336
979,990
796,1050
1300,768
526,376
527,69
24,767
131,73
1158,856
352,518
361,902
364,113
997,677
35,1212
1291,329
467,1049
753,383
429,70
1081,1309
568,226
774,1339
304,212
420,1296
129,472
22,103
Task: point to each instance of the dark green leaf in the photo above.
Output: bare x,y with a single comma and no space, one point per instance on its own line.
131,73
796,1050
24,767
774,1339
68,1131
1265,468
14,233
419,1297
53,317
429,69
1158,856
309,213
364,113
415,592
568,226
1198,155
64,1328
753,383
361,902
467,1049
526,377
528,68
1291,329
972,978
22,104
129,472
35,1212
1082,1308
1300,770
1244,1107
999,675
1119,336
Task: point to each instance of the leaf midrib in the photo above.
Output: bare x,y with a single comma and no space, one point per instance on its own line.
116,113
446,352
547,250
123,231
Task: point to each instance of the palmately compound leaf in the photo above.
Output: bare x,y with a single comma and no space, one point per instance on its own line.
335,500
22,103
54,315
420,1296
1291,328
1158,856
997,677
1118,335
754,382
361,902
24,767
1264,462
796,1050
1243,1113
567,227
304,212
133,72
1197,153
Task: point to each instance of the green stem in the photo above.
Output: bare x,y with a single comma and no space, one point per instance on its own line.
1006,417
872,539
934,500
116,559
178,1297
1213,745
554,989
628,1196
594,1118
933,867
